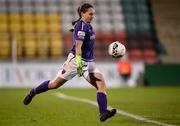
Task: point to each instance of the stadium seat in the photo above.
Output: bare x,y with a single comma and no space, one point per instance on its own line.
119,26
41,27
99,49
96,26
40,18
40,23
53,18
52,9
106,26
131,27
28,18
43,45
14,18
14,23
115,7
150,56
56,45
39,7
135,54
27,7
120,36
4,27
54,27
19,40
53,23
28,23
3,23
132,44
3,7
147,44
99,37
13,7
5,49
67,40
30,46
28,27
15,27
107,37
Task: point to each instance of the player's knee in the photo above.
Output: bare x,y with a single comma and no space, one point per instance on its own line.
101,87
56,83
52,85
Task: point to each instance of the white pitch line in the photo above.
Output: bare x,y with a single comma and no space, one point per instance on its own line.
121,112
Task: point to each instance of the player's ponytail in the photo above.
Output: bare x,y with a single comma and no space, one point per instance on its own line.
83,8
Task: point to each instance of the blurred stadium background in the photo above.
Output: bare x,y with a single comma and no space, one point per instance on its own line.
37,31
35,40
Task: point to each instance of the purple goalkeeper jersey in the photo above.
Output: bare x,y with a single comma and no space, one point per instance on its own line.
84,32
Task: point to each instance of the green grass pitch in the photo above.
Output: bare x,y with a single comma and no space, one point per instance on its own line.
161,104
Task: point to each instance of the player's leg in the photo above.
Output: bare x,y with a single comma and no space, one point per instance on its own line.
43,87
97,80
67,71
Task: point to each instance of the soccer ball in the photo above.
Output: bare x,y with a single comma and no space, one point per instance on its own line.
116,49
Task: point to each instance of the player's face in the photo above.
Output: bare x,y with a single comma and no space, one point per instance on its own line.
88,15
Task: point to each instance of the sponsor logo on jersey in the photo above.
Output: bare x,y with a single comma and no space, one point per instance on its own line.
81,34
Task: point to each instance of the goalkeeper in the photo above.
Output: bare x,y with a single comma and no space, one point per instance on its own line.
80,62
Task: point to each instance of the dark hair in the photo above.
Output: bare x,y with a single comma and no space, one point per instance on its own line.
83,8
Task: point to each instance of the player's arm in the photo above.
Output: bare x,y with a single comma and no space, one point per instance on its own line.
78,58
78,47
79,38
